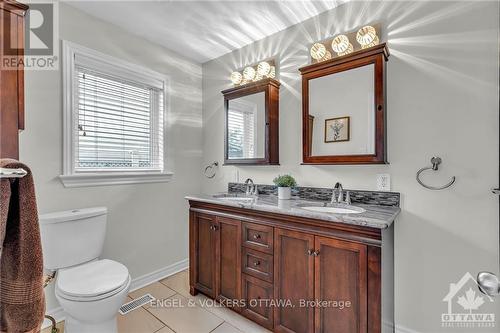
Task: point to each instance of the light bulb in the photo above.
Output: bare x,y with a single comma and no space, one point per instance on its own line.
366,35
376,41
272,72
340,43
258,77
236,78
263,68
350,48
249,73
318,51
328,56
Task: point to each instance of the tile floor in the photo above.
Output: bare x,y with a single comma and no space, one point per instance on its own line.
200,317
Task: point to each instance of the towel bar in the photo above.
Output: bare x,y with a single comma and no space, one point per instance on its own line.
210,170
435,165
12,173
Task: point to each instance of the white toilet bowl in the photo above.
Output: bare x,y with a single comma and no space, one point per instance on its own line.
91,295
89,290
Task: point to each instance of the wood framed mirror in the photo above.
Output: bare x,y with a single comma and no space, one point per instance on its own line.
343,109
251,130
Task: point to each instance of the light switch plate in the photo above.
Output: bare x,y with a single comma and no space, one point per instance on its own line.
384,182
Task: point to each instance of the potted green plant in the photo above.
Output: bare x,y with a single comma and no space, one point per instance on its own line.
285,184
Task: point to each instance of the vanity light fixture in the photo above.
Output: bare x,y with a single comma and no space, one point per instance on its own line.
236,78
253,73
263,68
349,49
340,44
366,36
328,56
376,41
346,43
272,73
318,51
249,73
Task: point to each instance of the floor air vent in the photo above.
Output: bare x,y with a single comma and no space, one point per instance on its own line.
135,304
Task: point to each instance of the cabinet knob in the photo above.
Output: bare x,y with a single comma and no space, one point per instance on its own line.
213,227
256,236
310,252
256,263
316,253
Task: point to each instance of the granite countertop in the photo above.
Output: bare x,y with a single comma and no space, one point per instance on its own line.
374,216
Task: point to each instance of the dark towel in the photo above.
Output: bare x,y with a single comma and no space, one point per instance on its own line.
22,300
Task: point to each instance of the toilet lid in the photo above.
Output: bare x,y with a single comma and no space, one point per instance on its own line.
92,279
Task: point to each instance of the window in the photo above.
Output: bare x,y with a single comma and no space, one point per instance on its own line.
241,130
114,120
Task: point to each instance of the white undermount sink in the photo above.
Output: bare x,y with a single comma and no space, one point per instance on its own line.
335,210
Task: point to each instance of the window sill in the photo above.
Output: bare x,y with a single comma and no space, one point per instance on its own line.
115,178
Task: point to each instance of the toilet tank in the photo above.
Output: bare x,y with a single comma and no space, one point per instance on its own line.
72,237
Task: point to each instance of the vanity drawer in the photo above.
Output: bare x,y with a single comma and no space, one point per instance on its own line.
257,295
257,264
257,237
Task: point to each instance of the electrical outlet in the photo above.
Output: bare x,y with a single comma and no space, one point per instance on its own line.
384,182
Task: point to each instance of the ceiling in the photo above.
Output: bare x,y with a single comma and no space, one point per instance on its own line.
204,30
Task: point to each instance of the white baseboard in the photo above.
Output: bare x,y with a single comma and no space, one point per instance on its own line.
144,280
137,283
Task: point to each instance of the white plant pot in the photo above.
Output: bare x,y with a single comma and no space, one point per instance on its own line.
284,193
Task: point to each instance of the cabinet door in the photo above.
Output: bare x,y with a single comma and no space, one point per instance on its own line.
258,295
11,78
293,280
340,277
229,260
203,241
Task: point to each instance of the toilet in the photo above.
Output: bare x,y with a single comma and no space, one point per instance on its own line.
89,289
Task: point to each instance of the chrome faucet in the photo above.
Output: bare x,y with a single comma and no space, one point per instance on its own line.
251,188
340,197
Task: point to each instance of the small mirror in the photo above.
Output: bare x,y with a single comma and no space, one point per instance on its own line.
344,109
251,126
246,127
343,113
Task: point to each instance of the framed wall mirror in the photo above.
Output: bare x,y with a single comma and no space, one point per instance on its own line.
252,123
343,106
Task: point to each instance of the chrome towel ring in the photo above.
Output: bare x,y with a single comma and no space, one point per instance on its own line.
435,165
210,170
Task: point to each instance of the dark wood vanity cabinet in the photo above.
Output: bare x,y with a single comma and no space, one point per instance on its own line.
292,274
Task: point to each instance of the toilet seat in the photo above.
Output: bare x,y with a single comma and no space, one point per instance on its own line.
92,281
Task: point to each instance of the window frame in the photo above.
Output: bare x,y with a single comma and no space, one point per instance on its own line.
114,66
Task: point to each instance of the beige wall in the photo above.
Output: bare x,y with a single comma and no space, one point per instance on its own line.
147,223
442,100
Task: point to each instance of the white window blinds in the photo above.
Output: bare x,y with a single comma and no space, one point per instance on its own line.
120,123
241,134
